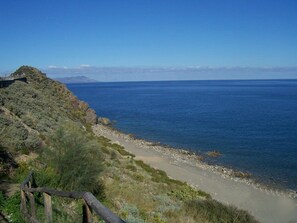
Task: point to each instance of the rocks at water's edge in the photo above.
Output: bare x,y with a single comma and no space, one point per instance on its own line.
91,116
104,121
213,153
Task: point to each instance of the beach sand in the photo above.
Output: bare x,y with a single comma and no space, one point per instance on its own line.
265,204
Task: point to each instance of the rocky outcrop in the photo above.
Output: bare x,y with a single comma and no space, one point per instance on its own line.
104,121
91,117
213,153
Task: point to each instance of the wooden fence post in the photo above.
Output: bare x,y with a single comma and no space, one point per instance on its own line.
91,204
32,200
48,210
23,202
32,205
87,213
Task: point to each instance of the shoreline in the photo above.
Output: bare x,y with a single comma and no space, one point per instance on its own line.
218,181
194,159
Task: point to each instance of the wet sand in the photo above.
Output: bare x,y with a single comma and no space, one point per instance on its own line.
265,204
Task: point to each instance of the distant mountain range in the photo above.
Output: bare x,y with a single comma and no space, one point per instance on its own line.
76,79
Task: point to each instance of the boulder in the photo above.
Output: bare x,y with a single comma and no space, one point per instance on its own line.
104,121
91,116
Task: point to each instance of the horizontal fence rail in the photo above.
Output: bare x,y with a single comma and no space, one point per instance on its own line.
91,204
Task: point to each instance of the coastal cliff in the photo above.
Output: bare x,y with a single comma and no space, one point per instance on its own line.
45,128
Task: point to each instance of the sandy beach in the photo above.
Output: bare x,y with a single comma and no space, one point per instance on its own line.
265,204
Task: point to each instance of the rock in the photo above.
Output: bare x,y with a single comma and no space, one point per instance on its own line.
104,121
83,106
91,116
240,174
213,153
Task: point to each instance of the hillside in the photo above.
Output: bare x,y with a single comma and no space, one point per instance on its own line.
45,128
29,111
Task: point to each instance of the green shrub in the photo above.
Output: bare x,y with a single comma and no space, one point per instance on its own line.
131,214
120,149
46,177
4,122
144,166
210,211
29,120
76,160
187,193
11,207
12,134
2,200
113,155
106,143
33,142
138,177
21,173
131,167
158,175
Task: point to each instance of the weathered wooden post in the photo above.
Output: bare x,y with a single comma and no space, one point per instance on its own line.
91,204
87,213
32,205
48,210
23,202
31,198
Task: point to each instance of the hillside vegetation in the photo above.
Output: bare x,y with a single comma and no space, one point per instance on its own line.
45,128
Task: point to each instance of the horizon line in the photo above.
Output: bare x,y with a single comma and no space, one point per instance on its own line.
184,80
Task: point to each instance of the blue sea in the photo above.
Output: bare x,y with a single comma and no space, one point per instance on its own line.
253,123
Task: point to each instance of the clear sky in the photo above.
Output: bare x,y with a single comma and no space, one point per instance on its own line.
65,36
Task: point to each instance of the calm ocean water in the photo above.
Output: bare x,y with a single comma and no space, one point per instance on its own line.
252,123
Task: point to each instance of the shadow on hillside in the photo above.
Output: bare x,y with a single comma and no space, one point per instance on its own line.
7,163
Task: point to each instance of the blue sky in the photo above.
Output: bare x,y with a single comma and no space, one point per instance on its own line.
113,40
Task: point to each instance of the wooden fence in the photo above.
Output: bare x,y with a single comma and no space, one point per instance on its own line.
90,205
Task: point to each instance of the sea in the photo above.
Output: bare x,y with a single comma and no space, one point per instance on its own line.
252,123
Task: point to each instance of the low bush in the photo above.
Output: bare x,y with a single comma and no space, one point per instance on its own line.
75,159
209,211
131,167
120,149
158,175
11,207
186,193
29,120
131,213
16,137
33,142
